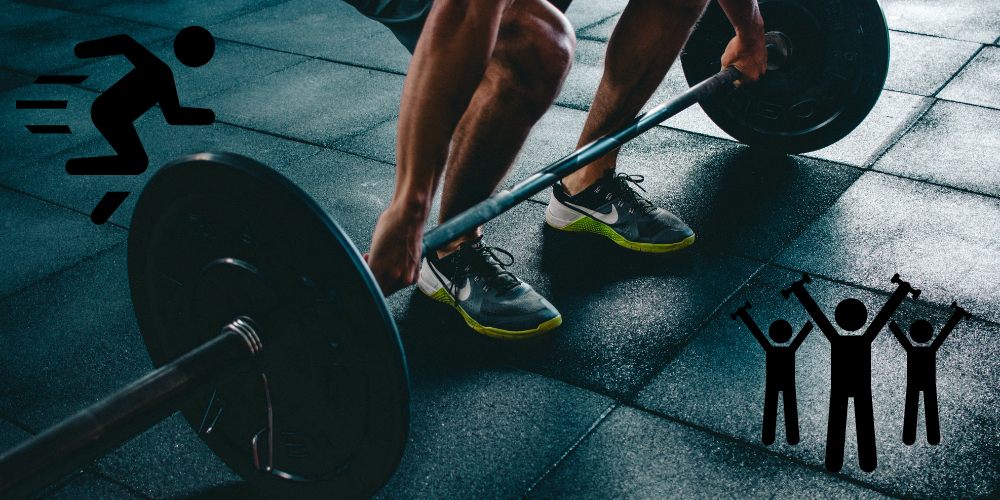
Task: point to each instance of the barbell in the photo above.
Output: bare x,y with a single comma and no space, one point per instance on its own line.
272,337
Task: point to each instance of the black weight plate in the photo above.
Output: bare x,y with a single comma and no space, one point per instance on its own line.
325,413
840,57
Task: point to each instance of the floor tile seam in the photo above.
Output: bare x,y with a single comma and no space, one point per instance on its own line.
662,125
594,38
919,302
698,330
290,138
101,138
703,326
974,105
765,450
361,133
63,270
237,42
16,423
942,37
937,184
595,23
239,86
29,75
591,38
889,144
897,135
91,469
570,383
57,485
959,70
313,57
590,430
54,203
55,7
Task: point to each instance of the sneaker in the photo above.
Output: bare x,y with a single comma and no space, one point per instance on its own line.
491,299
611,208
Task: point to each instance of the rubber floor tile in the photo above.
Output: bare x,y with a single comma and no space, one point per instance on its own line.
636,455
718,383
941,240
953,144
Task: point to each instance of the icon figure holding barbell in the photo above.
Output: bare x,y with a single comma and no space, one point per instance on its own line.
850,368
921,369
780,373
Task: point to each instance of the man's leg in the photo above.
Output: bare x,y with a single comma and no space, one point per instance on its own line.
646,41
532,56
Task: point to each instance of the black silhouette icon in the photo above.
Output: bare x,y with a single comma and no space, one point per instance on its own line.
851,368
921,368
114,111
49,104
780,373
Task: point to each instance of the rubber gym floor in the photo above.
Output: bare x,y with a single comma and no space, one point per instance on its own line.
649,389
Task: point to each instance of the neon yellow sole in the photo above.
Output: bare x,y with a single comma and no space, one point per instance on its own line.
589,225
441,295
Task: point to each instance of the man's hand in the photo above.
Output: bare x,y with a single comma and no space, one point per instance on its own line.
748,53
397,247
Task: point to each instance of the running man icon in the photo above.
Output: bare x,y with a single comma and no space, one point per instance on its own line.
780,373
921,374
114,111
151,82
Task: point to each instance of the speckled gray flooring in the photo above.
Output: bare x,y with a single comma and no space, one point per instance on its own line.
649,389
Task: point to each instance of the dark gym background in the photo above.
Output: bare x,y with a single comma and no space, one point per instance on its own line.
649,389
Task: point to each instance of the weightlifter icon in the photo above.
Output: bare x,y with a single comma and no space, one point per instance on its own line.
850,368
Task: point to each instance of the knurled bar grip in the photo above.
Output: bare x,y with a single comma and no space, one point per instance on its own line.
499,203
70,444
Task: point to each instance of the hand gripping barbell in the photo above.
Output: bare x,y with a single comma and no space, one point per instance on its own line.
304,392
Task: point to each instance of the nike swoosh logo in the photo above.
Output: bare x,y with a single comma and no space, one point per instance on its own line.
608,218
465,291
462,293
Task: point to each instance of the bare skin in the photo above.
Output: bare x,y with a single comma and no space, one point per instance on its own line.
644,44
483,72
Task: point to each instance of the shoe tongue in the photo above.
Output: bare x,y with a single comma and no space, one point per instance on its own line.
501,280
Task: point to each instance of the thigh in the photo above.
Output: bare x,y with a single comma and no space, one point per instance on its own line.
406,20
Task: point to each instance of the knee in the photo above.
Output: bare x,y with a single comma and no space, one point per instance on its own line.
536,49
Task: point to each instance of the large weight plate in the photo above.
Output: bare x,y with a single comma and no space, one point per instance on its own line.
325,412
840,57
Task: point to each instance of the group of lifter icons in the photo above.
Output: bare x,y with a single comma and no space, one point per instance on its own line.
851,370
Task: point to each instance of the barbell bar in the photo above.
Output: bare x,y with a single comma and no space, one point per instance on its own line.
309,394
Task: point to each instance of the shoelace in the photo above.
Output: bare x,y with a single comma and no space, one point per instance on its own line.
628,194
484,260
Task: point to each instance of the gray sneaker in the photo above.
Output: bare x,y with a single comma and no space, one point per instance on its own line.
611,208
491,299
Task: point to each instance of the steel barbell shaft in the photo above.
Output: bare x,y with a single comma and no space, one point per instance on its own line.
71,443
499,203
